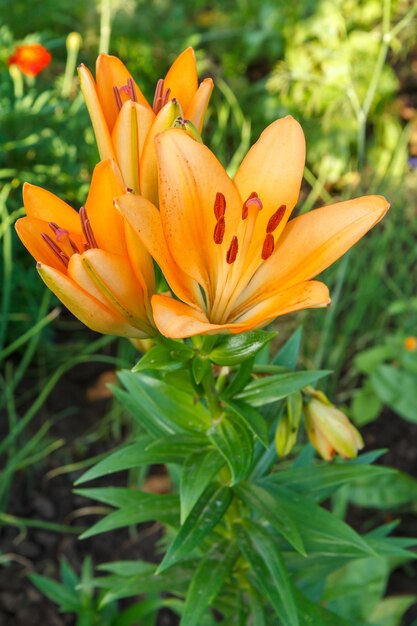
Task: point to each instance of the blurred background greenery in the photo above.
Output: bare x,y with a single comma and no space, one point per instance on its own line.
346,69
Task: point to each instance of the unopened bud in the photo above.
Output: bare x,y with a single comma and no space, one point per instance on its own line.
74,41
288,426
330,431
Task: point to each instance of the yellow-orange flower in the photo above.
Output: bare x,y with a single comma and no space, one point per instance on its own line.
226,246
125,124
91,260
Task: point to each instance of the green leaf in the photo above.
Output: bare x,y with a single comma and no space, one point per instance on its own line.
241,379
272,388
234,441
366,405
144,507
208,580
165,404
164,357
322,479
148,420
131,456
200,368
198,470
237,348
312,614
252,418
397,388
288,354
321,531
390,611
205,515
267,507
391,490
269,569
68,601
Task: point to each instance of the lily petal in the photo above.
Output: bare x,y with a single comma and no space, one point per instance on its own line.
197,108
110,279
106,222
178,320
85,307
98,119
190,176
30,231
129,134
148,166
145,220
182,78
44,205
274,169
313,241
111,72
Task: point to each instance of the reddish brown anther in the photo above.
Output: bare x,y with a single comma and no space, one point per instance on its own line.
132,90
232,251
61,233
55,249
219,205
219,231
251,200
87,230
161,96
117,97
275,219
268,246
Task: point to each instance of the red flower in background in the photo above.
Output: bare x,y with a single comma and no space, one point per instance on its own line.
30,58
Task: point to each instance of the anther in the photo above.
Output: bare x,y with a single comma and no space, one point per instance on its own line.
219,205
132,90
55,249
61,233
161,96
219,231
275,219
250,201
117,97
87,230
232,251
268,246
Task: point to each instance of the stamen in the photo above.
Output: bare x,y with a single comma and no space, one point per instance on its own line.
268,246
55,249
275,219
132,89
219,205
232,251
61,233
161,96
117,97
252,199
165,96
87,230
219,231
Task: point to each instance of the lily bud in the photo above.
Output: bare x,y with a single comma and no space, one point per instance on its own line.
330,431
287,429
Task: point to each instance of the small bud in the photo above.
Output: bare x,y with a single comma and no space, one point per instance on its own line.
74,41
288,426
330,431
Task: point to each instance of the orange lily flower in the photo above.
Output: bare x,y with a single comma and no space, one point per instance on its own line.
226,246
92,260
125,124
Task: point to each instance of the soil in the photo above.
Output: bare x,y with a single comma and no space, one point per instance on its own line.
42,497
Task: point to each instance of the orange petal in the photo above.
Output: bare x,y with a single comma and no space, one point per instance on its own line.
100,126
196,111
148,165
44,205
190,176
145,220
30,231
182,78
178,320
141,261
85,307
273,168
106,222
111,72
313,241
129,134
110,279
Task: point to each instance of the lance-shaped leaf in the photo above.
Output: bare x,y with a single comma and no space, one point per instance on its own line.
198,471
235,443
235,349
272,388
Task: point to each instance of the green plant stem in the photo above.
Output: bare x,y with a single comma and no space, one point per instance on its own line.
105,26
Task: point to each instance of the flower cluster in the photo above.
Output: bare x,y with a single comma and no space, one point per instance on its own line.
232,258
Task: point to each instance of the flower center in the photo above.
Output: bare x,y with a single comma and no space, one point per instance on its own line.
242,260
62,245
128,89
